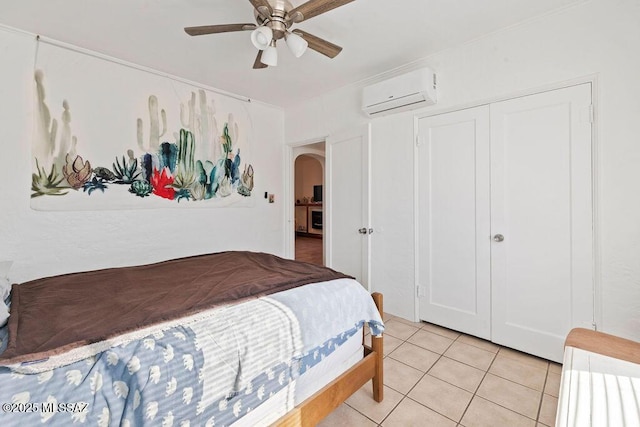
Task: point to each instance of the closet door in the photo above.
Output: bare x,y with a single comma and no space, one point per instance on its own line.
541,219
453,225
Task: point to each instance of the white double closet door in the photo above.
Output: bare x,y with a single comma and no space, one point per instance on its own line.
505,220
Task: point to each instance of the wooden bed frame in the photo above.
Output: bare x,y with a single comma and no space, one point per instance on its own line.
327,399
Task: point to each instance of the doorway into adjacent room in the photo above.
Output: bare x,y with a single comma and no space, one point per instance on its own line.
308,199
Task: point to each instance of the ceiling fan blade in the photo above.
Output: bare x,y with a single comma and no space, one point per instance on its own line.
319,45
314,8
263,7
257,64
214,29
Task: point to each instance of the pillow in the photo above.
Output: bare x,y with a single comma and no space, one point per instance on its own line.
5,289
4,314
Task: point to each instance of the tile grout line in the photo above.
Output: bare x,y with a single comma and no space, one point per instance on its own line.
544,386
517,383
383,385
511,410
440,356
502,406
405,395
478,388
495,356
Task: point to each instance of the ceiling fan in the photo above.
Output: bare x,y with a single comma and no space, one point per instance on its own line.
274,19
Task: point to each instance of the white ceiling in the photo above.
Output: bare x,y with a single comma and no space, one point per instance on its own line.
377,36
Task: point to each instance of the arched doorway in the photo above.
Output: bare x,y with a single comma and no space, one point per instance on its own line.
308,210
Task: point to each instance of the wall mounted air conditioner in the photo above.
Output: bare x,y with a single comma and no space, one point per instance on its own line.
408,91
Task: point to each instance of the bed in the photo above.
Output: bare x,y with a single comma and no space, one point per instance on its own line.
234,338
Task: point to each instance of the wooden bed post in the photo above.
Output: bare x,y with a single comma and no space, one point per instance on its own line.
377,346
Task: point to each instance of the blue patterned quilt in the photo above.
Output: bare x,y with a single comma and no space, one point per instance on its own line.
209,372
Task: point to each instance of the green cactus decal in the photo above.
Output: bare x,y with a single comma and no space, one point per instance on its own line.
141,188
93,185
154,127
198,191
183,193
201,164
48,184
168,156
198,117
127,172
104,174
50,149
53,148
227,144
186,174
246,182
206,178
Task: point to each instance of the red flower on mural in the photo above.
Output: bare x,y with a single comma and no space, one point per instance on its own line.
162,184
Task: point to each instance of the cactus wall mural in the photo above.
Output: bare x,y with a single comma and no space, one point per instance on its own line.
197,161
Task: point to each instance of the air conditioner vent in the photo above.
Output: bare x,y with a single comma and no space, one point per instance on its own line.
407,91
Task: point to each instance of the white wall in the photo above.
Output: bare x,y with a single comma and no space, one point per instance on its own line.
599,37
47,243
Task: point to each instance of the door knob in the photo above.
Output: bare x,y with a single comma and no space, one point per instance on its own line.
498,237
362,231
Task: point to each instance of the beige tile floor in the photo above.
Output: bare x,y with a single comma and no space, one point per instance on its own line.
438,377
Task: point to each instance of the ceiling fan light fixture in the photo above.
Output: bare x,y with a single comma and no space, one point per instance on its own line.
261,37
274,19
270,55
296,44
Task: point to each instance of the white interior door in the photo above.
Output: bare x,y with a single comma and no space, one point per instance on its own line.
348,221
541,199
453,246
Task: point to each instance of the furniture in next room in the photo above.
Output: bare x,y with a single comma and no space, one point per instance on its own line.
600,383
309,221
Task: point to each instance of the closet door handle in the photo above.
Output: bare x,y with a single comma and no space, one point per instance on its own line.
498,237
362,231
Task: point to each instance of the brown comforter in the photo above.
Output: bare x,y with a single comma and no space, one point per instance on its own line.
55,314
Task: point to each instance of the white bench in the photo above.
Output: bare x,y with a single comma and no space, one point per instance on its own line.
600,383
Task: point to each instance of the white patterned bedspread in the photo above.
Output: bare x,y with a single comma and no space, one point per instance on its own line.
210,370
